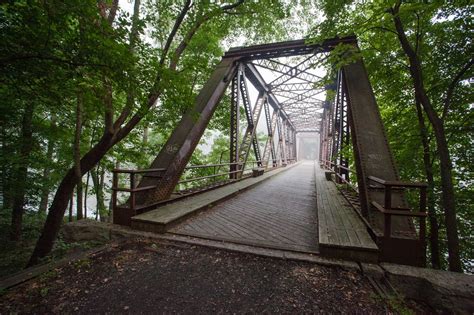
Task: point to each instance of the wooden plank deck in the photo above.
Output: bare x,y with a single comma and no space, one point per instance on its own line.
279,213
166,216
293,208
342,234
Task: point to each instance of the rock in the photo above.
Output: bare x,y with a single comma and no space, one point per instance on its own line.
451,291
85,230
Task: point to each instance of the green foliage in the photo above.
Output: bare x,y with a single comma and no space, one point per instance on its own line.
439,31
53,51
13,256
396,304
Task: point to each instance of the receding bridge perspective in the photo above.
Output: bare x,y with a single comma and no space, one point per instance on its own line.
272,193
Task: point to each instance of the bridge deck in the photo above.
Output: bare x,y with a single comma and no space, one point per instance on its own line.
342,234
281,212
278,213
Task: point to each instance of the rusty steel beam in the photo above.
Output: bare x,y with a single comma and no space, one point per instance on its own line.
234,125
269,150
371,150
292,72
301,98
178,149
250,136
278,67
287,48
298,86
298,96
254,76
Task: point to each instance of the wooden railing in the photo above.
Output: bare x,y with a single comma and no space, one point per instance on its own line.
388,211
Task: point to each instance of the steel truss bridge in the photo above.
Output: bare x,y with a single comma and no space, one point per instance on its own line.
377,226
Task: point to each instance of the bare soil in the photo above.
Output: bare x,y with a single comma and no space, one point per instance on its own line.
148,277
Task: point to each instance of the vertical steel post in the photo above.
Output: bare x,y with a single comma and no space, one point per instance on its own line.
132,193
115,182
234,125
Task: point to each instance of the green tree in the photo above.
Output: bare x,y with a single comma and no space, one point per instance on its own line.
423,45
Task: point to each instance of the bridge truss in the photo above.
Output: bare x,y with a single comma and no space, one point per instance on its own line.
293,101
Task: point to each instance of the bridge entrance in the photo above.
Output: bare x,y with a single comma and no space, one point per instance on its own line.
360,201
280,213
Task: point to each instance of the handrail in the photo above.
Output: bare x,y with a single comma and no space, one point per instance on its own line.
145,188
150,170
405,212
133,190
338,165
396,183
388,211
339,176
388,220
211,165
388,185
205,177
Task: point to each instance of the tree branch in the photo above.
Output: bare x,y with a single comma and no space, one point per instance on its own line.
231,6
417,34
132,42
187,38
452,87
176,26
113,12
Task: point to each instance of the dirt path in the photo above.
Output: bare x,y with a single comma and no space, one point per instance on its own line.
146,277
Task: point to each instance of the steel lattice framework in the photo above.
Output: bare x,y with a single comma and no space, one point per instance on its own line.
292,100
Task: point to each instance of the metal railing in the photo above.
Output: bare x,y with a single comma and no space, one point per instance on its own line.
132,190
158,173
336,168
388,211
216,172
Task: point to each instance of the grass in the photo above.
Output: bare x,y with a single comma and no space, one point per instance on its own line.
395,303
15,255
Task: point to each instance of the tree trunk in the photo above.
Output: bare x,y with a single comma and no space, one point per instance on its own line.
447,187
6,174
71,203
46,172
20,182
434,232
86,191
99,193
145,135
61,198
77,155
111,205
114,132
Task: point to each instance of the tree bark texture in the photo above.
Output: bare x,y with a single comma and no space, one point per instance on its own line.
77,155
45,189
21,173
448,197
434,228
114,132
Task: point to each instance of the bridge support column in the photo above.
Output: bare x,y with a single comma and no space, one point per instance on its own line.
234,126
178,149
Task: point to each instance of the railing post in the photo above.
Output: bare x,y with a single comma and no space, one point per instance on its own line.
422,199
132,193
114,190
388,197
388,225
423,222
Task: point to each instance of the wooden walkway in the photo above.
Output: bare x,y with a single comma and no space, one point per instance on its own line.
293,209
279,213
342,234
